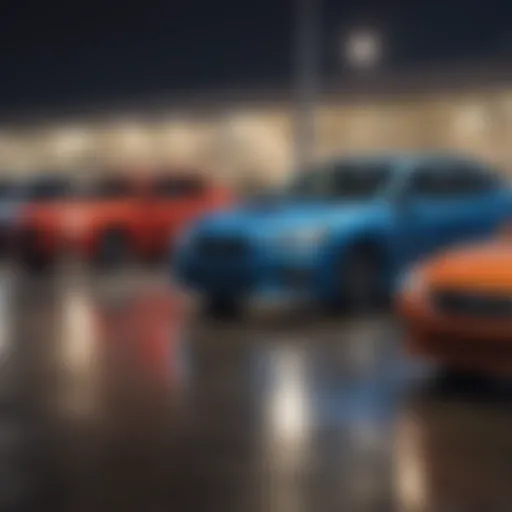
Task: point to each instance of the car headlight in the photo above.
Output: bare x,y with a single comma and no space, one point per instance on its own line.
303,239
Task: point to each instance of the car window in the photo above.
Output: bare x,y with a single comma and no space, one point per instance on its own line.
343,180
177,188
450,180
471,179
359,181
46,189
111,189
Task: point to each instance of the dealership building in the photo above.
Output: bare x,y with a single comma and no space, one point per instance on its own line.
240,136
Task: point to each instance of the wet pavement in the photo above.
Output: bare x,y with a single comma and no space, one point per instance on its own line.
112,397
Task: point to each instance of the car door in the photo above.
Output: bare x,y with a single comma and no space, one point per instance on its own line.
482,201
446,205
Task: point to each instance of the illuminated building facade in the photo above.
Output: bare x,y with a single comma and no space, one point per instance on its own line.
251,136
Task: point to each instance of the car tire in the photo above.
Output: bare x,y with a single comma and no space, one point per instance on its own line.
223,308
29,254
113,249
38,264
457,380
359,277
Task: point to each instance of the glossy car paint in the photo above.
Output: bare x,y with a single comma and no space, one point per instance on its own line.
148,222
402,227
461,340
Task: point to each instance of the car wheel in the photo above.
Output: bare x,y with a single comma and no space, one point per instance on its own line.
37,263
29,254
360,279
113,249
223,308
456,379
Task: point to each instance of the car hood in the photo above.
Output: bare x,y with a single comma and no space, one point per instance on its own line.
482,267
270,219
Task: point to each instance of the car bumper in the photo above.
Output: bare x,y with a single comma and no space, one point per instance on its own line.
461,342
259,281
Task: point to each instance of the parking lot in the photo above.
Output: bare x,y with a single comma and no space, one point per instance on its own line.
113,398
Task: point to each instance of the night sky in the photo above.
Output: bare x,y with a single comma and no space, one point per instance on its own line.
87,52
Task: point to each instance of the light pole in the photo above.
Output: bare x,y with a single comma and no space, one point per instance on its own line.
306,80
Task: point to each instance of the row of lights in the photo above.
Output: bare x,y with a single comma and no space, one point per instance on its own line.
68,145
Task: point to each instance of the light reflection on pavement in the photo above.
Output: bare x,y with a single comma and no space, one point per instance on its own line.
116,398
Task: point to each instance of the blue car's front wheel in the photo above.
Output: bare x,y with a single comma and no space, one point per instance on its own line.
223,307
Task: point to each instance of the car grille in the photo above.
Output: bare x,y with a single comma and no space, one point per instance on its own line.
475,305
229,247
481,347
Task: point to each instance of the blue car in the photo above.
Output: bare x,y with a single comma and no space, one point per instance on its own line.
342,232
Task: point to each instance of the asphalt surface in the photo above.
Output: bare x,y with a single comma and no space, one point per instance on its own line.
113,398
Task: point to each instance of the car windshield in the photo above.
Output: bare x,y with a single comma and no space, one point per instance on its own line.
342,180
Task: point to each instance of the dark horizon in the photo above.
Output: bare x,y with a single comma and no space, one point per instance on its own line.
60,54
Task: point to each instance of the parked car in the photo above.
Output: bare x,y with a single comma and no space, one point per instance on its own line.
111,219
457,308
342,232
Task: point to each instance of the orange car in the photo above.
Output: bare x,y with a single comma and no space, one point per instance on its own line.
111,220
457,308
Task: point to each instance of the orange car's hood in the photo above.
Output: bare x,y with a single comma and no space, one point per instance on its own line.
481,267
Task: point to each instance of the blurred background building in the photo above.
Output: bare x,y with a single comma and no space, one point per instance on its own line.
247,136
101,87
